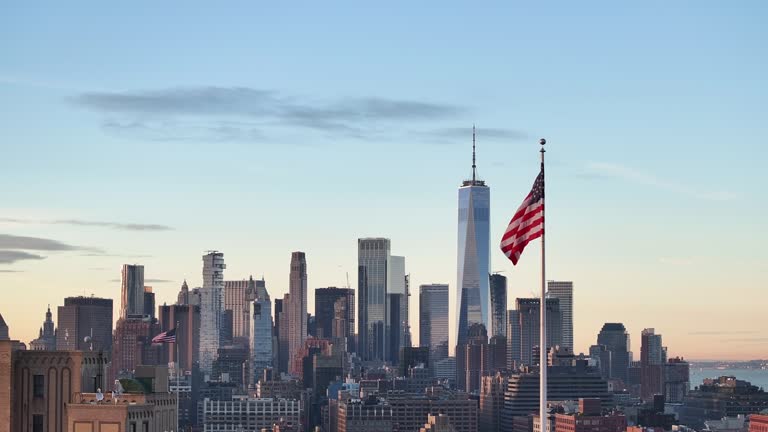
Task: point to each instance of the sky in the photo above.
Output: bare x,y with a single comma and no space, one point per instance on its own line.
152,132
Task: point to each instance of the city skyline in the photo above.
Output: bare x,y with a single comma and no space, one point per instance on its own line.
652,146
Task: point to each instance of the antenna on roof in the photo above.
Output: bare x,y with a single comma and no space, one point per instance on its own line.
474,166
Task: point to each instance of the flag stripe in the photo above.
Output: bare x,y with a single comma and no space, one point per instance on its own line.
527,223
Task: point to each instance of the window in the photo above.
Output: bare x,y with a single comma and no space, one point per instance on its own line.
37,419
38,386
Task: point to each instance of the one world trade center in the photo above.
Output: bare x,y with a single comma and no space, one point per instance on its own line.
473,258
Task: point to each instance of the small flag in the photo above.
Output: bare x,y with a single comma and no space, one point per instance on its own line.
165,337
527,223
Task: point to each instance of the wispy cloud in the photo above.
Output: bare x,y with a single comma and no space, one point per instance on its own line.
13,242
622,172
113,255
722,332
11,271
465,134
241,113
12,256
87,223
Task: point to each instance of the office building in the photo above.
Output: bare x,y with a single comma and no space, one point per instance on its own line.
563,383
513,340
132,346
132,291
149,303
563,291
411,410
3,329
528,324
652,359
758,423
248,414
230,367
81,317
473,259
602,358
677,381
46,341
238,297
343,324
721,397
183,296
369,415
261,355
411,357
372,275
281,325
492,388
472,359
433,319
297,305
325,312
438,423
185,319
498,284
398,308
589,418
445,369
211,308
616,340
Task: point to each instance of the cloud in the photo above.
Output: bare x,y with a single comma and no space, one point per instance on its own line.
11,256
13,242
465,134
113,255
208,113
148,280
603,170
80,222
722,332
11,271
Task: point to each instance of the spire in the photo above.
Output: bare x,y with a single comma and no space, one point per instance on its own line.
474,165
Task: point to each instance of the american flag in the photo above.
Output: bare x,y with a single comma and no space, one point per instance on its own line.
527,223
165,337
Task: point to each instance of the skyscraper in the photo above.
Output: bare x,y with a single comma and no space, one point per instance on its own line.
472,359
211,307
149,303
498,305
47,339
473,260
433,319
398,309
373,255
325,298
652,359
186,320
616,339
564,292
81,317
261,334
513,339
281,332
528,315
297,305
238,297
132,291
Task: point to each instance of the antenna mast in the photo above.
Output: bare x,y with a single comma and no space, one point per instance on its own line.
474,166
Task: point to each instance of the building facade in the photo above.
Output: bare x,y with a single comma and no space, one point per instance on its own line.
211,308
297,305
473,260
325,311
81,317
186,320
528,325
615,338
563,291
46,341
373,257
132,291
261,355
498,284
238,297
433,319
248,414
652,359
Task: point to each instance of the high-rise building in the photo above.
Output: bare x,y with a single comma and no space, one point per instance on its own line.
677,380
373,257
185,319
132,345
325,303
433,319
81,317
261,336
652,359
211,308
616,339
3,329
281,327
473,259
238,297
183,297
528,316
563,290
602,358
149,303
498,305
513,339
399,323
297,305
132,291
492,390
472,359
46,341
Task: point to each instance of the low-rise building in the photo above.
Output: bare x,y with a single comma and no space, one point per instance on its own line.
248,414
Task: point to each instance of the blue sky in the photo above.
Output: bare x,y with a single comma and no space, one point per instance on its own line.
259,129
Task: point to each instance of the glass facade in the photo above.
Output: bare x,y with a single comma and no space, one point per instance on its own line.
373,255
473,260
433,319
211,308
261,335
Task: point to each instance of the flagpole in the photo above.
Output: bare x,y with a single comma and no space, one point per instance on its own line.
543,420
